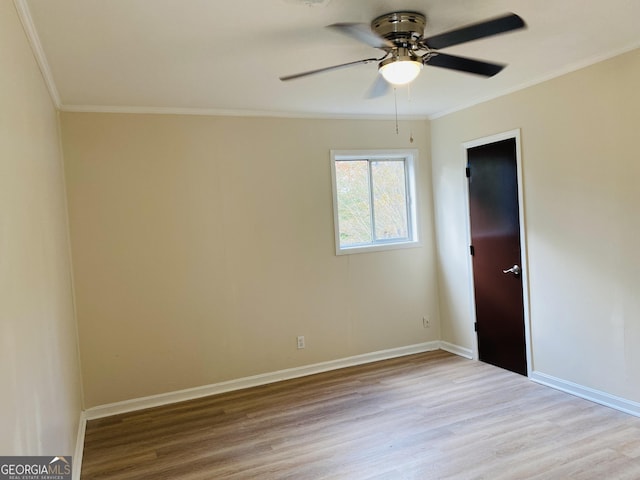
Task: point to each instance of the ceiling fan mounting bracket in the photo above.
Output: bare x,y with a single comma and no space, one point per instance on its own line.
404,29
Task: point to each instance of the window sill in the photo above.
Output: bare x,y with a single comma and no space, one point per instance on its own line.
378,247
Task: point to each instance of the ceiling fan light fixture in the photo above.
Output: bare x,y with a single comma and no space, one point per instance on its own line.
400,70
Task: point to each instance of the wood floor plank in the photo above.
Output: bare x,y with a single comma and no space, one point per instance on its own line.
425,416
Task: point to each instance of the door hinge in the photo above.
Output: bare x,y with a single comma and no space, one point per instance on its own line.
475,326
467,172
472,250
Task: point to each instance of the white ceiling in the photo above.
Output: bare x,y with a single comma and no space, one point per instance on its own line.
215,56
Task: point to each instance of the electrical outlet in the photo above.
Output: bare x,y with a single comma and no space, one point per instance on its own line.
426,323
300,342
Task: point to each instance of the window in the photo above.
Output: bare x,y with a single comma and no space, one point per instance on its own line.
374,200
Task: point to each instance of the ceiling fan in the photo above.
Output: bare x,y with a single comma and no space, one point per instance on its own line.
400,35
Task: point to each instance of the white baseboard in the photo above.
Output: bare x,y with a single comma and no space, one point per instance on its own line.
253,381
456,350
621,404
77,456
618,403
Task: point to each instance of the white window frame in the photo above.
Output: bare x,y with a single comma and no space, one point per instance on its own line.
410,157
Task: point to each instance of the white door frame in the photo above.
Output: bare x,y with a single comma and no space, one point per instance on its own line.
515,134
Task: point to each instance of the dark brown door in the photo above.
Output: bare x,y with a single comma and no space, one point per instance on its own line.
495,238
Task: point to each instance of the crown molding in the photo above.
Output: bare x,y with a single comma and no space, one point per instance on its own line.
24,14
36,46
573,67
252,113
215,112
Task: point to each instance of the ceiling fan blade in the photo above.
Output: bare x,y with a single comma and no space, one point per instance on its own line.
362,32
379,88
463,64
327,69
475,31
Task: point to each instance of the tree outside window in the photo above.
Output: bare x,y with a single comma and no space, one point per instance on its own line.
373,200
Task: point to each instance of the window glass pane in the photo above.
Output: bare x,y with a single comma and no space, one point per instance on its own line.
354,202
389,200
373,198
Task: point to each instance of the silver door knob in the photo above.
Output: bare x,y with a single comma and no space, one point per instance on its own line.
515,270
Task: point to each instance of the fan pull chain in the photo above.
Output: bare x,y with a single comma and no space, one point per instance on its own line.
409,99
395,98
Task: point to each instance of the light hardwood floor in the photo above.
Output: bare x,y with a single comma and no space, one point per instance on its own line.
426,416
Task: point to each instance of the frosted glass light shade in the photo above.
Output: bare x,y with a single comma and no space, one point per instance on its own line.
400,71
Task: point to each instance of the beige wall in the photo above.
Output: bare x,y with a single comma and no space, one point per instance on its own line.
203,246
581,170
40,401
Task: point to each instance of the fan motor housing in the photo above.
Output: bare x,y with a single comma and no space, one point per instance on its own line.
400,27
